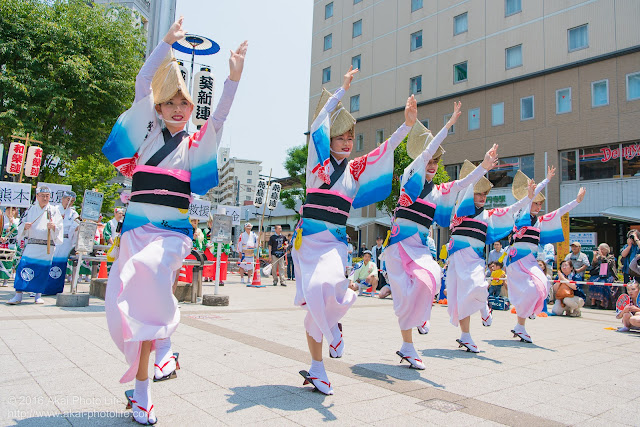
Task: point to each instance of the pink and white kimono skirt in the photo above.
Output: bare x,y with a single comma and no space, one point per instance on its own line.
413,276
528,286
466,285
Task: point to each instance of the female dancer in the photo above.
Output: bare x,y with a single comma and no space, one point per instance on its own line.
167,164
472,228
413,273
528,286
334,184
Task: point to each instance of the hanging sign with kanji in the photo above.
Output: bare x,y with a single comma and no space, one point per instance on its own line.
15,158
15,194
260,194
34,161
199,209
203,96
274,195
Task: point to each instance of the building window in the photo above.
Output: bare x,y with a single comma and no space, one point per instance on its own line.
568,167
513,57
354,103
453,171
416,40
425,122
578,37
328,10
460,24
415,85
357,29
599,162
600,93
359,142
474,119
633,86
249,172
452,129
563,100
356,1
526,108
248,180
379,136
416,5
326,75
356,62
502,175
460,72
511,7
497,114
328,42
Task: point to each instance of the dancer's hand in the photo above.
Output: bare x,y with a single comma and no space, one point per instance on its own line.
491,158
411,111
457,111
175,32
27,225
581,194
551,172
348,78
51,226
531,188
236,61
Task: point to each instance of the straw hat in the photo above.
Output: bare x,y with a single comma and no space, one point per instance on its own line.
520,188
418,140
340,119
483,185
167,81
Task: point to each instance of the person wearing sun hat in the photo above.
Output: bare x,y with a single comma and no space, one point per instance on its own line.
148,143
527,284
41,223
473,227
414,275
334,185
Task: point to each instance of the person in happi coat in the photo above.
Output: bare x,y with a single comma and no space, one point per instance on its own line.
40,224
149,143
70,221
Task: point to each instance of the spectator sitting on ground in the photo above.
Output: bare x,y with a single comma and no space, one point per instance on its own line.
367,274
497,278
569,296
629,252
603,269
579,261
631,314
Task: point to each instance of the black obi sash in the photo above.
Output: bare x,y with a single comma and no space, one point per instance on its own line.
160,189
420,213
530,235
326,207
474,229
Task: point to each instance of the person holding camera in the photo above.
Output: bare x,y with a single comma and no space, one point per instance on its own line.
629,251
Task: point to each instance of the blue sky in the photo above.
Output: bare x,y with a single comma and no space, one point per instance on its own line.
269,113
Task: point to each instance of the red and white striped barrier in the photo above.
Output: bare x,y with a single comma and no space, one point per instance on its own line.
614,284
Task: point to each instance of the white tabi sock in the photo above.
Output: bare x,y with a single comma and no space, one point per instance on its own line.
164,364
16,298
336,349
322,382
465,336
38,295
519,328
408,350
143,407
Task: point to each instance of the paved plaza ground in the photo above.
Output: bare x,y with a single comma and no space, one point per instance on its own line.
58,366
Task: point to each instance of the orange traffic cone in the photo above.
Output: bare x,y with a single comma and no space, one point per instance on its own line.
102,274
256,282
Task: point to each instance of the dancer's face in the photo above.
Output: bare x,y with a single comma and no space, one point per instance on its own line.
479,199
432,168
177,109
535,207
342,145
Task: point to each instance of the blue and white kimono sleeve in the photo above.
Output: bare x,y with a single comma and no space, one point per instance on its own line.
551,224
502,220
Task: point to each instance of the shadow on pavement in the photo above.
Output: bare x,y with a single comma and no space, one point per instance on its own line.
389,373
449,354
515,344
263,395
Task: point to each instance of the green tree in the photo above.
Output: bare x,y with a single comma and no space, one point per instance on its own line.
296,166
93,173
400,161
67,71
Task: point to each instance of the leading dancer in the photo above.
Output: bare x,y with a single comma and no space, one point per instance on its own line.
149,142
334,184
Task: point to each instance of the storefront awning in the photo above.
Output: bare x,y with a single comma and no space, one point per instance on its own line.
357,223
623,213
384,221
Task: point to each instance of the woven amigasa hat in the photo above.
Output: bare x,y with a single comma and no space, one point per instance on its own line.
483,185
340,120
418,140
167,81
520,188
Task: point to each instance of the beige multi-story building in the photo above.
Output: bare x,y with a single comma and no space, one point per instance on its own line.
553,82
237,180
